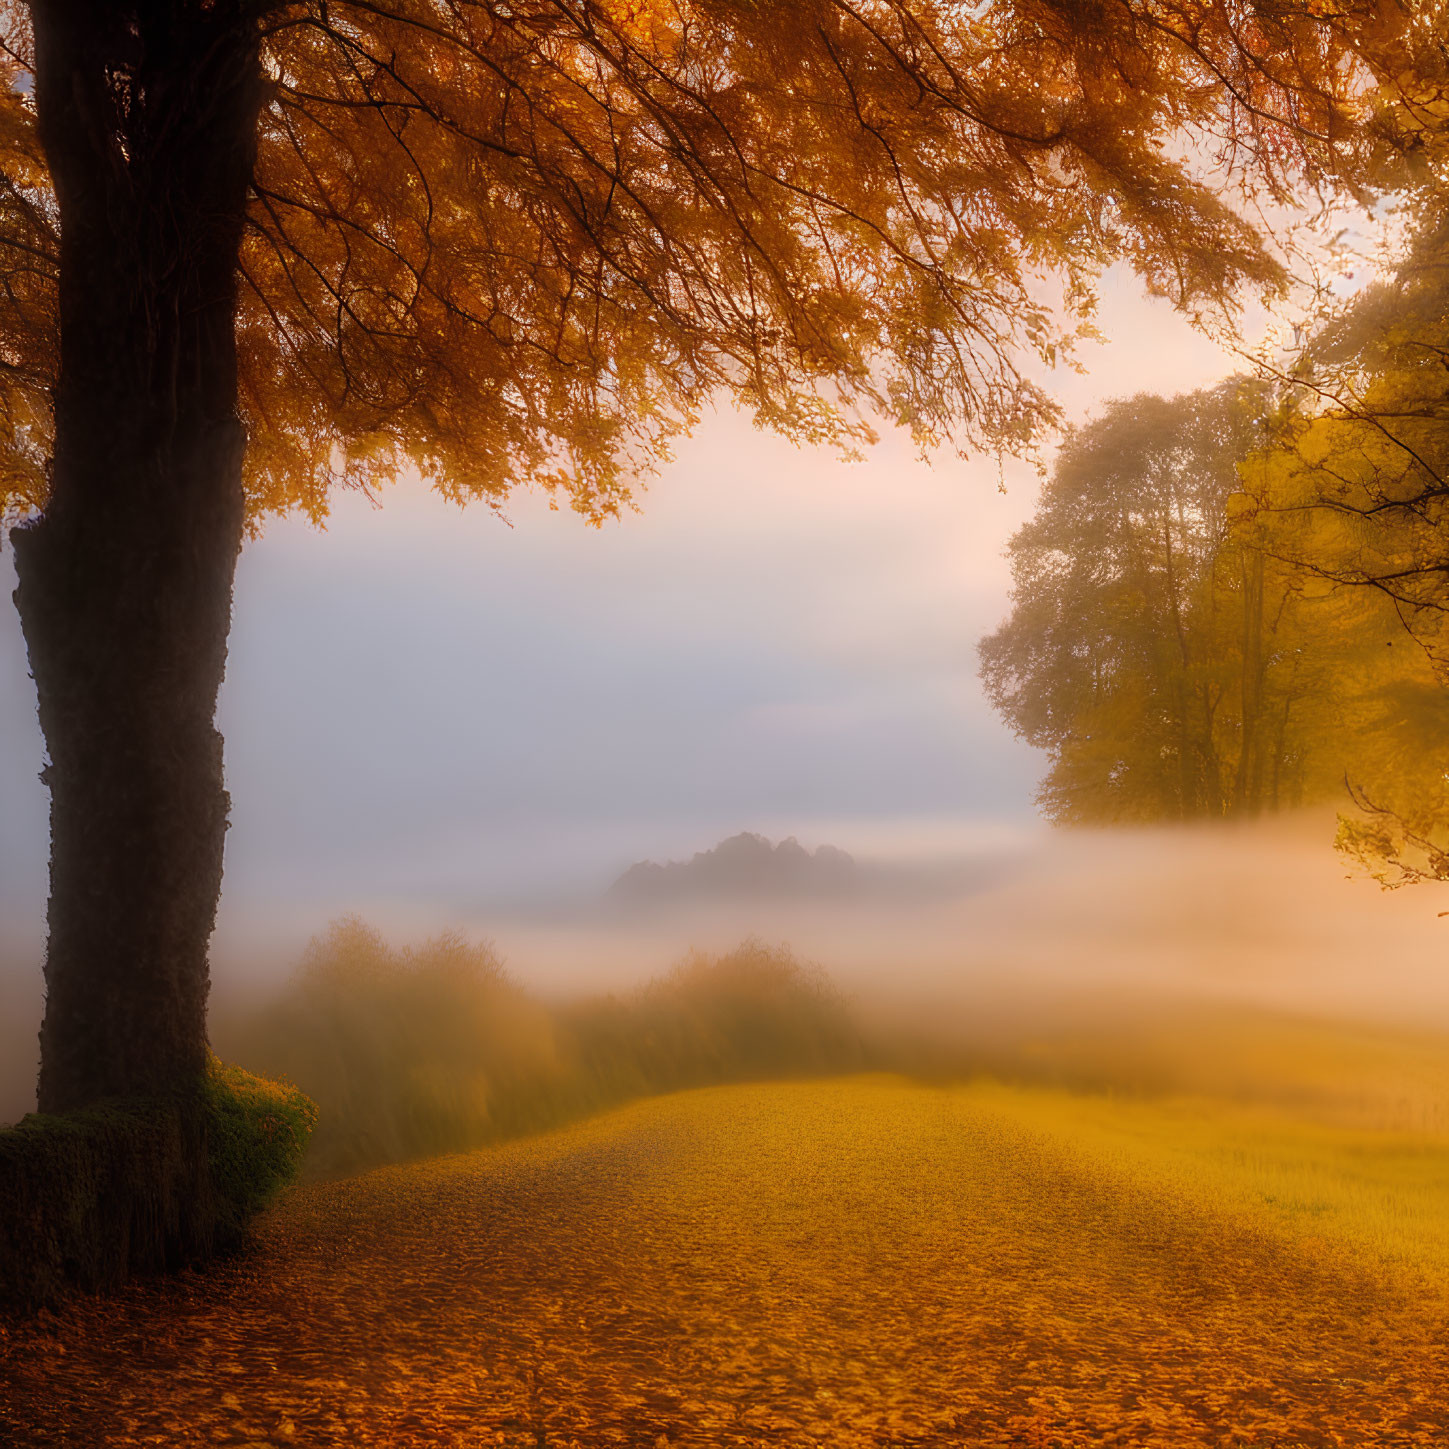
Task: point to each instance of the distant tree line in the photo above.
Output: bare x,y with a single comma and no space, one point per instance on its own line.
744,866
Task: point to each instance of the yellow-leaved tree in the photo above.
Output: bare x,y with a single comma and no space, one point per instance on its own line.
252,248
1354,497
1169,645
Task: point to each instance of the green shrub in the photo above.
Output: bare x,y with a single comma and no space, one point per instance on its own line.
93,1197
256,1134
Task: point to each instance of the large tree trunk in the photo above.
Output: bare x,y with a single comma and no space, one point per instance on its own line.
148,115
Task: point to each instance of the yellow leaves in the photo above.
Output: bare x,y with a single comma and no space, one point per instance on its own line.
853,1263
1239,509
1188,637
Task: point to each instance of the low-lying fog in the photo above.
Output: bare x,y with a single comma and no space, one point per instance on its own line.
1264,913
1041,927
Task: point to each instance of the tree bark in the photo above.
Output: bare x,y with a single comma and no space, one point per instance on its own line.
148,115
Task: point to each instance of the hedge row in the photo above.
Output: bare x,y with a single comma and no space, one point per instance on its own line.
90,1198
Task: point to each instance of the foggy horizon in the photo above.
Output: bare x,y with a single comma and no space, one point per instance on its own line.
771,645
776,642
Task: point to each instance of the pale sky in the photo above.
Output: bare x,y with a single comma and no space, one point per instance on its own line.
426,707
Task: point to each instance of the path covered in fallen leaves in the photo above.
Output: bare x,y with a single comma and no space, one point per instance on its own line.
843,1263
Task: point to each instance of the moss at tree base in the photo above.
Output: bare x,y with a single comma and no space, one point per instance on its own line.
90,1198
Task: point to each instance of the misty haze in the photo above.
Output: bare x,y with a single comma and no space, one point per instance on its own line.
724,725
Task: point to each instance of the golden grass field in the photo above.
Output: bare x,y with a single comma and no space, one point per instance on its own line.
865,1261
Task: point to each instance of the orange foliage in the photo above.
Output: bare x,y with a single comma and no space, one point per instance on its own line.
526,241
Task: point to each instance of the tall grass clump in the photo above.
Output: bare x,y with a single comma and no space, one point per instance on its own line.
409,1053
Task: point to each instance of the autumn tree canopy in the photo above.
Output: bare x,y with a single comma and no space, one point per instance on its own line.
1353,497
1124,657
527,240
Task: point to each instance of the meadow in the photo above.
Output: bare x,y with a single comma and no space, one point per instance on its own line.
859,1261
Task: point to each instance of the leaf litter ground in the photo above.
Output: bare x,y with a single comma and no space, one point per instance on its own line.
858,1262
